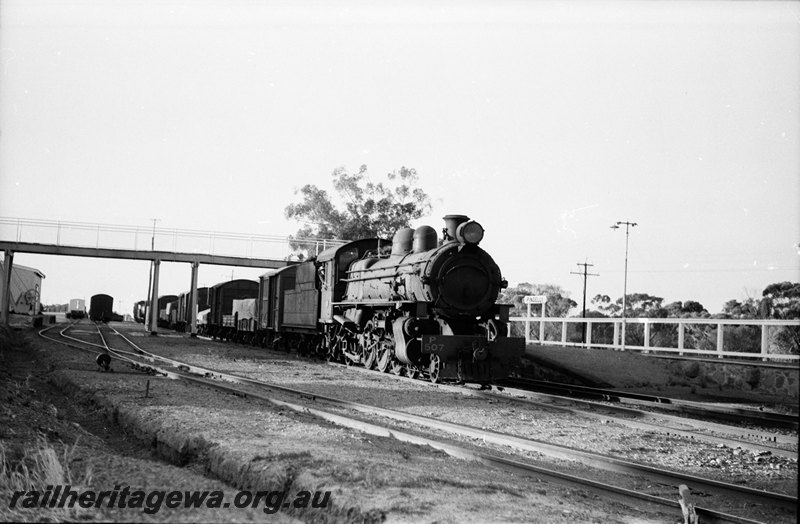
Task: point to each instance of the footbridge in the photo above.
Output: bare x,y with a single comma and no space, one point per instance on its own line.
80,239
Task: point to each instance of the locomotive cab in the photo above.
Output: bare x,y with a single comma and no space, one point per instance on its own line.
333,267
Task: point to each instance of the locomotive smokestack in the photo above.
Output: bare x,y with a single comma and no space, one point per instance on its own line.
451,223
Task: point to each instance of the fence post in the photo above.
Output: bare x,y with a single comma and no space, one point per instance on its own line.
764,342
541,327
681,331
646,335
588,333
616,336
528,327
720,330
564,332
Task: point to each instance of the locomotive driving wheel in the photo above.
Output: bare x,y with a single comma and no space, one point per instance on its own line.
370,342
385,354
434,368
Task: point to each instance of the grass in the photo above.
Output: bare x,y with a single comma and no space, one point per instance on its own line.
40,465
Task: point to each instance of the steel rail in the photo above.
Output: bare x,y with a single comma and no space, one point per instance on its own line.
686,406
649,422
643,419
451,449
549,398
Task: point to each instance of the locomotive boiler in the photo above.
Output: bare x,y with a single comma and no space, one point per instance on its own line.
419,305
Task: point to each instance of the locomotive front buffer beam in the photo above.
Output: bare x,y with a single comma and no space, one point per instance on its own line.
472,357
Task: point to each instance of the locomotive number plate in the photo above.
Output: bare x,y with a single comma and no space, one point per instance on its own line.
450,345
432,345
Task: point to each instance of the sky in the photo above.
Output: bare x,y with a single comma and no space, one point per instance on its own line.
547,122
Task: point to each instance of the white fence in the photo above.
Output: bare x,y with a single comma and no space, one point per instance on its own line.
114,236
763,339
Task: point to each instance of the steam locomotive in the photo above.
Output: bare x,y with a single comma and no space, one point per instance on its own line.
415,305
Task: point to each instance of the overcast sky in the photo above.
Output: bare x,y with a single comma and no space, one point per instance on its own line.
545,121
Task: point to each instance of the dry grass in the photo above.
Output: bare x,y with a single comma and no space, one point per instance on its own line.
35,468
36,463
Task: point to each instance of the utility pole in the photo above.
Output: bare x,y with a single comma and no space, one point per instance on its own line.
585,274
627,225
148,305
153,238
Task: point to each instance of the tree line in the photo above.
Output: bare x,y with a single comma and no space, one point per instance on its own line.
778,301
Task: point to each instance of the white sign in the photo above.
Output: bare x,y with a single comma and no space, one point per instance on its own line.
534,299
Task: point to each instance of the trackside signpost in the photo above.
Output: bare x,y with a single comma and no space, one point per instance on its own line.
530,300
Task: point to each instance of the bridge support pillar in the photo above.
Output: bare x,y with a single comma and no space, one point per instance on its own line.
154,299
193,301
8,263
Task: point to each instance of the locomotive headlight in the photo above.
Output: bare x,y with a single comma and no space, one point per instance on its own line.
469,232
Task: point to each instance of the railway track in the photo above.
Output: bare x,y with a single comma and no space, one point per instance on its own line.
669,425
742,415
339,412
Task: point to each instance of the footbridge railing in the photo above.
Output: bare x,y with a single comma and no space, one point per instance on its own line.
116,236
768,340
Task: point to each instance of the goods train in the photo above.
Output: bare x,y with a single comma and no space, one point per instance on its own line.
415,305
220,321
101,308
167,304
77,308
183,315
139,311
167,311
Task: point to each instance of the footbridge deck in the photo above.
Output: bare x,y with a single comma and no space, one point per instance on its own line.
156,257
